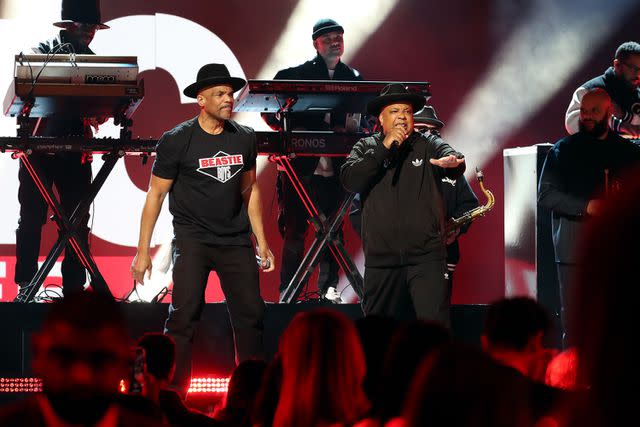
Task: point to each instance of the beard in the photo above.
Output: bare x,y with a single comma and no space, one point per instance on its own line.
632,84
80,406
599,129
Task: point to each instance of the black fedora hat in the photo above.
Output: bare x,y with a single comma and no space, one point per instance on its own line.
395,93
80,12
213,75
427,117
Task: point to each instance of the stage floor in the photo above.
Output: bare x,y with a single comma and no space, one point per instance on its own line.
213,345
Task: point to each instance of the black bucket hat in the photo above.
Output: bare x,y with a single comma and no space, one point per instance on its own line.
427,117
80,12
395,93
324,26
213,75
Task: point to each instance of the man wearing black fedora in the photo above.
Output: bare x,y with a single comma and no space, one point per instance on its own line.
80,19
397,173
457,195
319,175
207,166
69,172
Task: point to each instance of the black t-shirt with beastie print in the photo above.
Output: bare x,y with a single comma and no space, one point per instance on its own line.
206,197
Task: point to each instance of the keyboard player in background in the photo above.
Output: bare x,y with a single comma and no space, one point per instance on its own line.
70,172
319,175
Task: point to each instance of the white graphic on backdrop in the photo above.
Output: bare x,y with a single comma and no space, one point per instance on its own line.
170,42
180,47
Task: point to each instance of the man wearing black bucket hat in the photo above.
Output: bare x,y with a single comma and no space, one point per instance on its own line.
207,165
396,173
69,172
318,174
457,195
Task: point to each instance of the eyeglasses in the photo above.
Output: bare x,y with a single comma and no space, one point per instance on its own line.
632,67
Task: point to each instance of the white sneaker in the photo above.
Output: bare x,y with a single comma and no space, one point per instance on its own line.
333,295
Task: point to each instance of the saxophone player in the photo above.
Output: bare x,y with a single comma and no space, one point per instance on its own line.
457,195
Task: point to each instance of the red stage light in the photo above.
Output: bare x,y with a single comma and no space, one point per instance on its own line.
216,385
20,385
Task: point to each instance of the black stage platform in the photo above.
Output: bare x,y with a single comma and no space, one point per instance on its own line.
213,345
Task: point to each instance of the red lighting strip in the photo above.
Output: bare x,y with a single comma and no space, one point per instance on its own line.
209,385
216,385
20,385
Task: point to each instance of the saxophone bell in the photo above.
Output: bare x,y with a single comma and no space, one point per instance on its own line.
455,223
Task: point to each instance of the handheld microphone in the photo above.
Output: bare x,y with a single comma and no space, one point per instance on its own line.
259,261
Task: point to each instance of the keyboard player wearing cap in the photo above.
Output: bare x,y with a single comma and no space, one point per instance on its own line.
319,175
69,172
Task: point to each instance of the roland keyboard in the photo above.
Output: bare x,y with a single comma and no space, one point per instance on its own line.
269,96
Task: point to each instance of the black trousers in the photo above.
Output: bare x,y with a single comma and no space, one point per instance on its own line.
238,272
326,193
72,179
408,291
566,278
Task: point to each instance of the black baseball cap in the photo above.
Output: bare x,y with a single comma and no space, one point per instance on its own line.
325,26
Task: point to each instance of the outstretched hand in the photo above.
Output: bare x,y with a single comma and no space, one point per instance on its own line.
449,161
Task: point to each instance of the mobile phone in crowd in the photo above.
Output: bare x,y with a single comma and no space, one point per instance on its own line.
137,370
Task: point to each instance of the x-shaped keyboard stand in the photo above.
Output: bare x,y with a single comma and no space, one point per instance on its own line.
326,236
67,225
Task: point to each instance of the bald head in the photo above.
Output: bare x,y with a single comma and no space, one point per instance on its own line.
597,96
595,112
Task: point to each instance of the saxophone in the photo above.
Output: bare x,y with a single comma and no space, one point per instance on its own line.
469,216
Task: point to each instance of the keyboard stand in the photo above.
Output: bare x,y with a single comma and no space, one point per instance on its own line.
326,230
68,226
